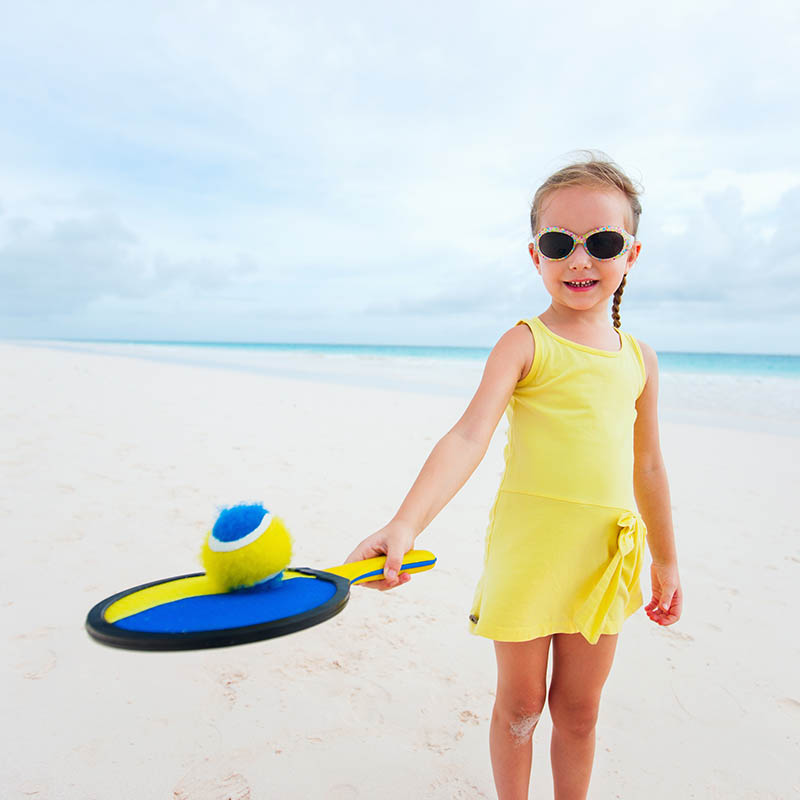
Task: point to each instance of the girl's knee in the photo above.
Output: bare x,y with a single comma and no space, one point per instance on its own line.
575,717
519,716
521,728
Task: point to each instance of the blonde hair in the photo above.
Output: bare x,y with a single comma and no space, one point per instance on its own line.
596,170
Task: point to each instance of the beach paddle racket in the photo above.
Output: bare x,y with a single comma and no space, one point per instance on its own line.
188,612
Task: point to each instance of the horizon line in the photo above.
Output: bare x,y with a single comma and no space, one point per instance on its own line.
220,342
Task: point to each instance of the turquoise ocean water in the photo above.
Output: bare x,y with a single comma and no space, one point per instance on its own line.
711,363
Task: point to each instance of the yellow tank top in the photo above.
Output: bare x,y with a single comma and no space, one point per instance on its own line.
565,545
571,419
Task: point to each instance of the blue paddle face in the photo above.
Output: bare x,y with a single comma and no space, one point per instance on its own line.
238,609
218,620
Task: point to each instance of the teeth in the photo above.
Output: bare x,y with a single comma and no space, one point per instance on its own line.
580,283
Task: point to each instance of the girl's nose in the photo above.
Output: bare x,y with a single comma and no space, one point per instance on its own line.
579,258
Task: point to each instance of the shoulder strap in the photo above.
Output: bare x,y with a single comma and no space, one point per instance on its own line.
537,351
637,351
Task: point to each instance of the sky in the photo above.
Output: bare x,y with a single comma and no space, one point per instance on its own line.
361,172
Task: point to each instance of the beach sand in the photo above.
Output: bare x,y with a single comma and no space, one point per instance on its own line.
112,470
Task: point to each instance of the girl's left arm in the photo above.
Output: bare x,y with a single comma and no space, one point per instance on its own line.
651,488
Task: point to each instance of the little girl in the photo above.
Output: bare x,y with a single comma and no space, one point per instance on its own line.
565,544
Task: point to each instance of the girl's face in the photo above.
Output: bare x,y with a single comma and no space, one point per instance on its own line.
580,209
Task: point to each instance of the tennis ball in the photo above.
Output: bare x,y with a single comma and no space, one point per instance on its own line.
246,546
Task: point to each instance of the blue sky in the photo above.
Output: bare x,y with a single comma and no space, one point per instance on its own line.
355,172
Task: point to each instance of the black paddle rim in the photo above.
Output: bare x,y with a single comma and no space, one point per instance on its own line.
110,634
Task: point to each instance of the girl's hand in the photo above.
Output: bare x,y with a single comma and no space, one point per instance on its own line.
667,603
394,541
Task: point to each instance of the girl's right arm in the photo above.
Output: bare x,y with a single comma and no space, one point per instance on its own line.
453,459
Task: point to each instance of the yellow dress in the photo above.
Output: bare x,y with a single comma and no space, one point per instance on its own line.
565,544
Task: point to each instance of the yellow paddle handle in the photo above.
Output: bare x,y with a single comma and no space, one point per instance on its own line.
371,569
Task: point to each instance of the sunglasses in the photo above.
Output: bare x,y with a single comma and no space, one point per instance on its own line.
556,244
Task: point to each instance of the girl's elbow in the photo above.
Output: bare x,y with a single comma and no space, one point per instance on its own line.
473,437
649,467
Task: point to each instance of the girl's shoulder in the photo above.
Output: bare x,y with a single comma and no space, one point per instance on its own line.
649,358
646,348
517,346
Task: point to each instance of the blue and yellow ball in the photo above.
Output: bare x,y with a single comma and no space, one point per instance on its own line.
247,546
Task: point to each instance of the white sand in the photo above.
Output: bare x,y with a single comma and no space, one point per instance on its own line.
113,468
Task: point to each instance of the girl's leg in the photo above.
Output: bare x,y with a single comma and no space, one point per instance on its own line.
521,693
579,671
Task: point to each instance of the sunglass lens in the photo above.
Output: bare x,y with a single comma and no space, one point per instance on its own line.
555,244
605,244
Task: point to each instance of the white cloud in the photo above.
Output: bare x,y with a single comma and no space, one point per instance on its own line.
63,268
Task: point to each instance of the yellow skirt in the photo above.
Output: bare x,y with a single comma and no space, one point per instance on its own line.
557,566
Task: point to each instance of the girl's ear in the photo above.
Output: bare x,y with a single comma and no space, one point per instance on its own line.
534,256
633,254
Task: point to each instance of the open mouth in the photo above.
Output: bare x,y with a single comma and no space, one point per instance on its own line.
580,284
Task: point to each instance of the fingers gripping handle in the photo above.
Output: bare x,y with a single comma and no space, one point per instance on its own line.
371,569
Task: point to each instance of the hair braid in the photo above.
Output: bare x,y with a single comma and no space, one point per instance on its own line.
617,299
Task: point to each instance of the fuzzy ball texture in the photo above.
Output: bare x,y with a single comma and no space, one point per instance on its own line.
253,561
